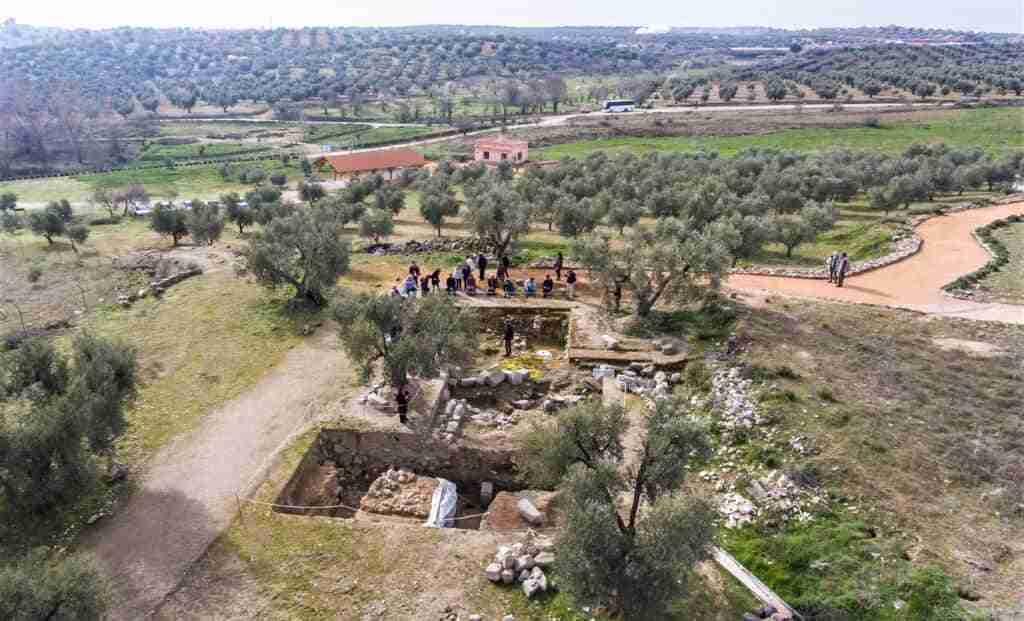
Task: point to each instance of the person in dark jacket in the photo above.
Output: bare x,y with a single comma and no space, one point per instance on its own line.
492,285
506,266
414,270
424,286
559,262
547,286
570,285
402,404
510,334
842,269
435,280
481,263
451,285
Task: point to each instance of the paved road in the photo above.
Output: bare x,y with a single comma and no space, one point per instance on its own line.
949,251
550,121
188,495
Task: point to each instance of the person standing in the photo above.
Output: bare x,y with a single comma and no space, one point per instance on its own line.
841,269
414,270
570,282
830,266
547,286
559,261
402,405
424,286
510,334
435,279
451,284
481,262
506,266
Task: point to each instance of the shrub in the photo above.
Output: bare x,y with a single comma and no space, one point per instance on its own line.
105,221
252,175
37,587
872,121
278,179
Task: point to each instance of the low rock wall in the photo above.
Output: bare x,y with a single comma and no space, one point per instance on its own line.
366,455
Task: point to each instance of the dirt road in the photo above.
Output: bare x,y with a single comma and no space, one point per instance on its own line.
949,251
188,495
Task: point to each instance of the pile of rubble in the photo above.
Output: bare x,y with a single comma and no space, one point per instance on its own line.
523,563
469,245
157,287
377,397
773,497
640,379
733,399
493,377
399,492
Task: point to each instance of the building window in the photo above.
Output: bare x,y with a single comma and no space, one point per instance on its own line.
519,155
487,155
504,156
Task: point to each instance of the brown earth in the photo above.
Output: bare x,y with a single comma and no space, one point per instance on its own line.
949,251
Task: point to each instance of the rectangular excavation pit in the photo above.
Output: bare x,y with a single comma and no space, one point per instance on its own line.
341,465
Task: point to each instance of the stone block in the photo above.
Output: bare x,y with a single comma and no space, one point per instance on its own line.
529,512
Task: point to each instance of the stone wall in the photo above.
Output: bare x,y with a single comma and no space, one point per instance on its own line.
545,325
366,455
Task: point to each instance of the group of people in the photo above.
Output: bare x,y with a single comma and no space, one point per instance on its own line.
837,265
462,279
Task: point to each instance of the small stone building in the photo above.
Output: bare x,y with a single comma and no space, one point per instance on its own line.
501,149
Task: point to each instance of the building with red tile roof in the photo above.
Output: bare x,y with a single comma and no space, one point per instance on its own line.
370,162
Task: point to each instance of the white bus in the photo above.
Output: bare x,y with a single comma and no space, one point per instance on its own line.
619,105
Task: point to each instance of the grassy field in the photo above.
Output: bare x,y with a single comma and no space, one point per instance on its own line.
160,152
992,129
203,181
1007,285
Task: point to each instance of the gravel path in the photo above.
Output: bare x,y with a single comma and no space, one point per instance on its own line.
949,252
188,494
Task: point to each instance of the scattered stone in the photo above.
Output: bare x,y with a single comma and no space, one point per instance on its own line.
508,576
495,377
399,492
544,560
536,583
118,472
603,371
610,342
493,572
529,512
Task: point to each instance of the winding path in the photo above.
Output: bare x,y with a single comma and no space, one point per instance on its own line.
949,251
187,496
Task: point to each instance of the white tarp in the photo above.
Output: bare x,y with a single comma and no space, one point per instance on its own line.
442,505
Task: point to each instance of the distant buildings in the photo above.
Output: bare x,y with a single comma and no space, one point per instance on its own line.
501,149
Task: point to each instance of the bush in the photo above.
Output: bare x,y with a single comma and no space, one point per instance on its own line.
105,221
252,175
872,121
278,179
37,587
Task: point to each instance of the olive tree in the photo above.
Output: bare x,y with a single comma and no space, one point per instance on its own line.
8,201
791,230
77,234
497,214
376,224
38,586
438,201
204,223
47,223
658,264
58,412
303,250
416,337
169,222
631,540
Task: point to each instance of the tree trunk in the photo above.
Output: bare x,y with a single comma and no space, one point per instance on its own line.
789,251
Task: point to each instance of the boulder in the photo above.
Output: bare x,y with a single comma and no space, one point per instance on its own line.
529,512
523,576
536,583
449,408
517,377
610,342
603,371
475,618
660,377
469,382
493,572
495,377
524,562
452,427
669,349
523,404
376,401
508,576
486,493
118,472
544,560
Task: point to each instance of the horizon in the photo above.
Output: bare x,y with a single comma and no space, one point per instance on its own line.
985,16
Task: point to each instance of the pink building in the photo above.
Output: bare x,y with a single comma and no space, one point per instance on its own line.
495,150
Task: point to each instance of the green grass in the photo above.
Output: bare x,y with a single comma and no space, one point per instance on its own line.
991,129
160,152
839,568
1007,285
203,343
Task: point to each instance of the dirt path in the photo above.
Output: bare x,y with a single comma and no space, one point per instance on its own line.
949,251
188,495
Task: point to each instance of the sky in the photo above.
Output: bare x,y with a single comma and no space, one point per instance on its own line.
986,15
